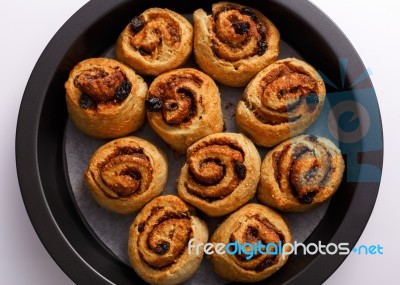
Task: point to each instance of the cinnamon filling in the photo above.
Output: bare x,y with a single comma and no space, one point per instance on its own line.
164,237
128,172
99,85
177,99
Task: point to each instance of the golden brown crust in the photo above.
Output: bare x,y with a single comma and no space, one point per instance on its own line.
300,173
282,101
156,41
234,43
184,106
126,173
158,241
254,224
105,99
221,173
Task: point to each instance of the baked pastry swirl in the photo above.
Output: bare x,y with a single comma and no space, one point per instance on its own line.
300,173
221,173
105,99
159,238
156,41
184,106
259,226
234,43
282,101
126,173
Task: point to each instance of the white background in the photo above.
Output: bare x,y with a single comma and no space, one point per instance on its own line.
27,26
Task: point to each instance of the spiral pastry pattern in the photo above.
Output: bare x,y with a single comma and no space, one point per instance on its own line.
254,225
126,173
300,173
105,99
221,173
158,241
234,43
156,41
282,101
184,106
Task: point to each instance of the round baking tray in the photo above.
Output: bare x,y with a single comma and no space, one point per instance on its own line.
93,29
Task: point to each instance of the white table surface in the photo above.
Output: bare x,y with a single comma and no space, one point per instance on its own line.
27,26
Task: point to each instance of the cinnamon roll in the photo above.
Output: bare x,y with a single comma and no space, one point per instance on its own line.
300,173
221,173
159,238
105,99
234,43
156,41
252,227
282,101
126,173
184,106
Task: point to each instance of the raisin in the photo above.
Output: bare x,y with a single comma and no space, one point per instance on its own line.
172,106
253,232
313,138
266,263
250,13
262,30
240,170
123,90
135,175
312,99
162,248
300,151
307,198
282,93
262,47
241,27
153,104
86,102
144,52
141,227
137,24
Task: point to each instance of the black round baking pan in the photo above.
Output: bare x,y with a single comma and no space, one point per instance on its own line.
94,29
